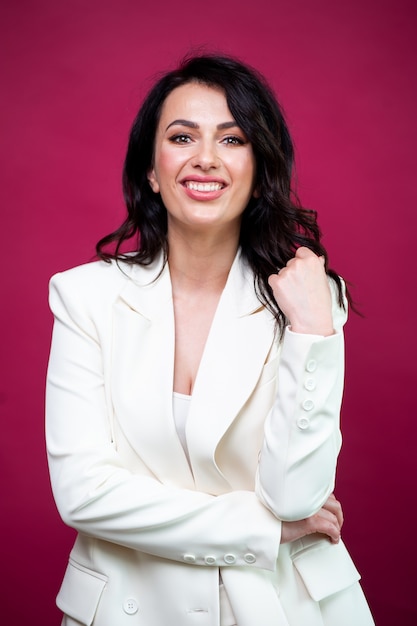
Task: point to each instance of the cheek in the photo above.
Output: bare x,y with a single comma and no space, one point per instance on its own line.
246,172
241,163
167,165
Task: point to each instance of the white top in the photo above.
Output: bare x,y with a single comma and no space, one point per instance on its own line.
180,409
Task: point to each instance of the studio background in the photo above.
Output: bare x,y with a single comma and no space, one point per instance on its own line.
73,74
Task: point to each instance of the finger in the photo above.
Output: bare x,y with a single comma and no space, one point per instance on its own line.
272,280
303,252
334,506
329,530
325,523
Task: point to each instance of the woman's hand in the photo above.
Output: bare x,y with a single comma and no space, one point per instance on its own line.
328,521
302,292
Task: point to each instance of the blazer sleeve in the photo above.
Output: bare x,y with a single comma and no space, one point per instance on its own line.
302,439
94,491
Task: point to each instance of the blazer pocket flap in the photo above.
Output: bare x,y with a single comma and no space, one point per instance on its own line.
80,592
325,568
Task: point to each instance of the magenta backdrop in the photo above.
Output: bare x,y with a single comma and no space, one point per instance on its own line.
73,73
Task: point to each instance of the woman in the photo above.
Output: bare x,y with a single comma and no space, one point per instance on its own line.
194,385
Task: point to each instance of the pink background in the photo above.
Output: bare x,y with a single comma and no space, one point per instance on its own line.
73,74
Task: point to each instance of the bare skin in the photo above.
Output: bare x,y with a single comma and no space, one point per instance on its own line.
203,236
196,286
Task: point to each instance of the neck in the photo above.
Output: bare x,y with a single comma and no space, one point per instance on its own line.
200,262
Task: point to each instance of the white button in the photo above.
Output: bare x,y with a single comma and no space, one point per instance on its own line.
310,384
303,423
250,558
189,558
311,365
210,560
308,405
130,606
229,558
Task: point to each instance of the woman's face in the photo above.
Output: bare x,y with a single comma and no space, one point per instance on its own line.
204,167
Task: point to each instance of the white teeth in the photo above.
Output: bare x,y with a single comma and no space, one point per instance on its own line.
203,186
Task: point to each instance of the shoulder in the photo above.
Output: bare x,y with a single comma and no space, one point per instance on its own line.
85,292
91,288
91,273
94,287
92,280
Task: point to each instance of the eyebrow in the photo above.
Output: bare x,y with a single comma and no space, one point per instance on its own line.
189,124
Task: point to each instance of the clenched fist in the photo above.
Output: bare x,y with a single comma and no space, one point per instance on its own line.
302,292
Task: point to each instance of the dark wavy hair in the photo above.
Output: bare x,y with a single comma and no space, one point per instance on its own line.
273,225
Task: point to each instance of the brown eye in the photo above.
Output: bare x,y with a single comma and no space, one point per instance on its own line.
180,138
233,140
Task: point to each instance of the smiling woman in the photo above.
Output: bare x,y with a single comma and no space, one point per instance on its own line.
194,384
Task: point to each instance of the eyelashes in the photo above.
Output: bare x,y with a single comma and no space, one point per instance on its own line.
229,140
181,138
234,140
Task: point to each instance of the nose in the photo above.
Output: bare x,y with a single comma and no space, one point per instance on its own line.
206,156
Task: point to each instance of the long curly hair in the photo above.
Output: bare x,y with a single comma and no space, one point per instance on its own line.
274,224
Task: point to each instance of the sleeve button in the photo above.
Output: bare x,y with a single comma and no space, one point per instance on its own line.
210,560
310,384
308,405
303,423
311,365
250,558
189,558
229,559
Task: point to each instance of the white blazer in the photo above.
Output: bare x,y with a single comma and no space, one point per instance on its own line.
154,530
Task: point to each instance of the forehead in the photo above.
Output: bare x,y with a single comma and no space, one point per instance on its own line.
195,101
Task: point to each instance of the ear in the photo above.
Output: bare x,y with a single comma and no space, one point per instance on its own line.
153,181
256,193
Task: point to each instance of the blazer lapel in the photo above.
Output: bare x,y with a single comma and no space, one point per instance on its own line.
142,373
236,350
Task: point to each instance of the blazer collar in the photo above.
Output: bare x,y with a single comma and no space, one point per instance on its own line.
150,288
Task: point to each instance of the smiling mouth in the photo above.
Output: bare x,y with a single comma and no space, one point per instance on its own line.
197,186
